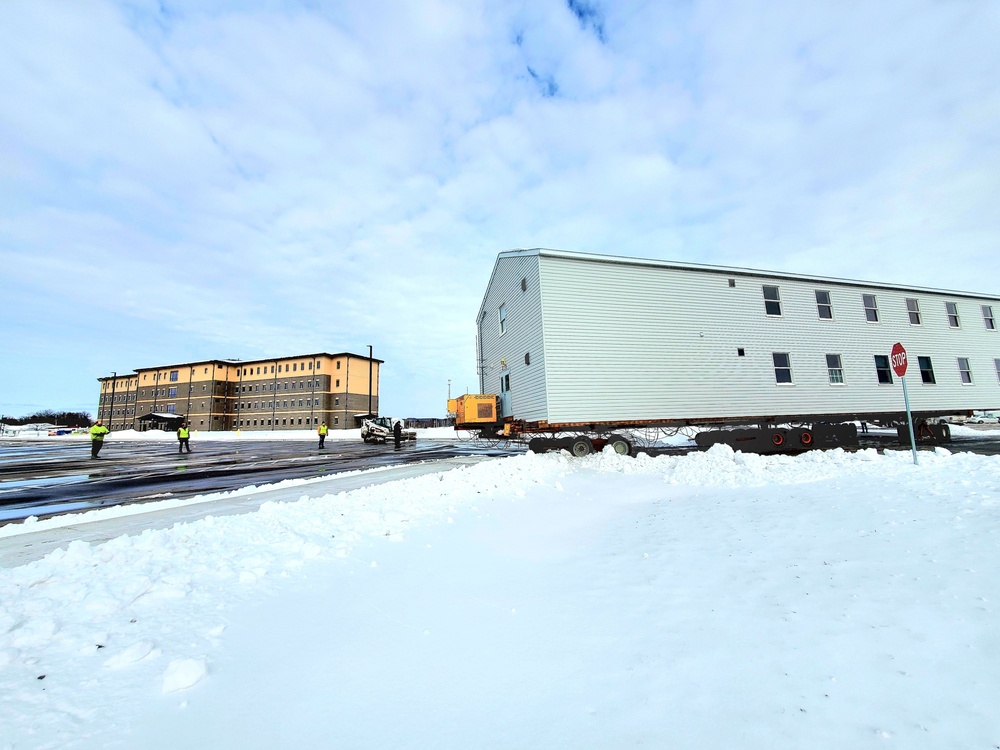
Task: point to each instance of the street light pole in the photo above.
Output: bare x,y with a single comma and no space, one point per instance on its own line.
128,388
187,415
111,415
370,380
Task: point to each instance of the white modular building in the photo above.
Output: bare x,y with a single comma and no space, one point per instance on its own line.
574,338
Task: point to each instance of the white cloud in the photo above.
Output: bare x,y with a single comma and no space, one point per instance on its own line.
274,177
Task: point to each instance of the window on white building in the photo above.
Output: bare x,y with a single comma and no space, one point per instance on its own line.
952,310
926,370
882,370
964,371
772,300
835,368
871,307
782,367
823,305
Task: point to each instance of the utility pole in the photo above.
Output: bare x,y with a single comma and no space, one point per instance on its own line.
211,401
239,404
312,392
156,393
369,380
111,415
274,391
135,399
128,387
187,413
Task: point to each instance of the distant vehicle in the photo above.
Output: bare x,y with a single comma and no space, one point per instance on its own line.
379,430
61,431
987,418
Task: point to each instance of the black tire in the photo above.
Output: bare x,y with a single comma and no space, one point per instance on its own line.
620,445
581,446
540,445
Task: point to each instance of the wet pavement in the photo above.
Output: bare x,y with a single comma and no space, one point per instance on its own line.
48,477
28,546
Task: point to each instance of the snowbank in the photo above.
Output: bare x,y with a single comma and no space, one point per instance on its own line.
827,600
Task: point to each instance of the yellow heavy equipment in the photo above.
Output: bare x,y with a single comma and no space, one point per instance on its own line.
474,410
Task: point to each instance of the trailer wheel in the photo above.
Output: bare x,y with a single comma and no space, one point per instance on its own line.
777,439
807,438
620,445
581,446
540,445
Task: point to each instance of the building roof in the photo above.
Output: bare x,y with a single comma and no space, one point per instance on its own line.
241,362
728,270
236,363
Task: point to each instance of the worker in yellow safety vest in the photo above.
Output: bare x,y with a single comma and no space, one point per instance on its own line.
97,433
323,429
183,435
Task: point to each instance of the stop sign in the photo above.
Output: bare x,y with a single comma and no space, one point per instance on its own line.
898,359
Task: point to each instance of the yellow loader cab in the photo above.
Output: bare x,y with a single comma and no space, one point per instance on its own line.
474,410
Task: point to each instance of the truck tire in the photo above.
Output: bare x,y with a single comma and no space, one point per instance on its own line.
540,445
620,445
581,446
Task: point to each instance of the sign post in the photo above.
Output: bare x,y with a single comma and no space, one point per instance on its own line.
898,360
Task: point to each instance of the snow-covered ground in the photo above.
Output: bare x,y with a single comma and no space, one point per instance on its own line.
715,600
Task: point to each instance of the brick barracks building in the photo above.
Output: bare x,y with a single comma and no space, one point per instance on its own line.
288,393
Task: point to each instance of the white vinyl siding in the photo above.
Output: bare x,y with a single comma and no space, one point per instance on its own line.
523,319
614,339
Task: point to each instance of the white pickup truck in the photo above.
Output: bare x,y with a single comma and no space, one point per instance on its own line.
379,430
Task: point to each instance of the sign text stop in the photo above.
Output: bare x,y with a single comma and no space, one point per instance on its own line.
898,359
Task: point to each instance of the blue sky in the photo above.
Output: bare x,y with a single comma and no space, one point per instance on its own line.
194,179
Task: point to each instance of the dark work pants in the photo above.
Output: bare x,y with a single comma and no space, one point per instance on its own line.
322,439
95,447
183,443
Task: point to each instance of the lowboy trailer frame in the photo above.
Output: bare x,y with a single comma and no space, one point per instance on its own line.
793,433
